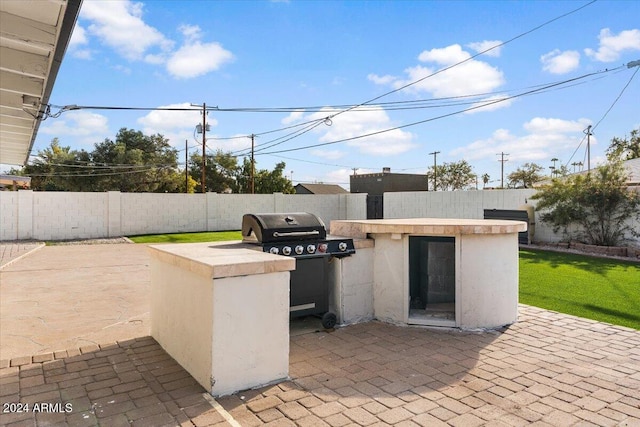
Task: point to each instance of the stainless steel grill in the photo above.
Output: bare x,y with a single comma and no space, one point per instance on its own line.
303,236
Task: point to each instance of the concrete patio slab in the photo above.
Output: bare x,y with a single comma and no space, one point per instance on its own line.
61,297
548,369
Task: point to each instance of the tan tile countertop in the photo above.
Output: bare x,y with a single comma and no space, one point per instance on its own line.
221,259
429,226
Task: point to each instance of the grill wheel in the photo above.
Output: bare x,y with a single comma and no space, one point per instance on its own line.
329,320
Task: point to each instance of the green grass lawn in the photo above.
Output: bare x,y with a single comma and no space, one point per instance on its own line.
601,289
214,236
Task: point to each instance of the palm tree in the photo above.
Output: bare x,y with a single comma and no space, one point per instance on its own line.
485,180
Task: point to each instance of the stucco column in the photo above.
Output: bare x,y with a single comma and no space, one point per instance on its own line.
114,214
278,202
25,214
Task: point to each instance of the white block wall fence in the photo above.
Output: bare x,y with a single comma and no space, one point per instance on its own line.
35,215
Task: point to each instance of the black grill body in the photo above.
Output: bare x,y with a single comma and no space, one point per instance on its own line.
272,228
303,236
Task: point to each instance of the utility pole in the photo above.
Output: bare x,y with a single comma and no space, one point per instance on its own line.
553,168
355,171
435,170
502,160
204,144
253,187
203,127
588,132
186,166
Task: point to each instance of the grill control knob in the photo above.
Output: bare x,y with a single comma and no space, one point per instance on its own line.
311,249
274,250
322,247
286,250
342,246
299,250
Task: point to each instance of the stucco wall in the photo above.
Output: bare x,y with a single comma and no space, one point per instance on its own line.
66,215
488,291
8,215
353,300
468,204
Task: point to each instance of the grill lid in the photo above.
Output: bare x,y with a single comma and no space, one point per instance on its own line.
282,227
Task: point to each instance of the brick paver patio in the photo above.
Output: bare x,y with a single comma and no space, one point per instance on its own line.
13,251
548,369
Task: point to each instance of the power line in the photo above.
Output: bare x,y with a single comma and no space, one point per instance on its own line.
486,104
72,175
468,59
352,107
629,65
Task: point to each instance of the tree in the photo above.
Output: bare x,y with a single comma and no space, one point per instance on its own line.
221,170
136,163
625,149
265,181
599,204
56,168
485,179
453,176
133,162
525,176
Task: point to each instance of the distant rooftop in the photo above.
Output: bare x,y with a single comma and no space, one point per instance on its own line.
21,182
319,189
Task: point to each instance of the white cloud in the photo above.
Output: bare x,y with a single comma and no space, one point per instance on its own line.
190,32
339,177
158,121
78,41
241,142
329,154
542,125
487,44
381,80
179,126
293,117
119,25
78,37
557,62
87,127
196,58
363,121
445,56
611,46
471,77
545,138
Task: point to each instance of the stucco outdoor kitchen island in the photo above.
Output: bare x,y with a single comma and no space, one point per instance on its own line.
433,271
221,310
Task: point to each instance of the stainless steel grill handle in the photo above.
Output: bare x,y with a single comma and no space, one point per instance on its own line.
296,233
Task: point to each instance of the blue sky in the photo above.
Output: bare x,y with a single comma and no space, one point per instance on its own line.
295,55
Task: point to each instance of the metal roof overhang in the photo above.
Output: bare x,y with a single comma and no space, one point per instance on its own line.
34,35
